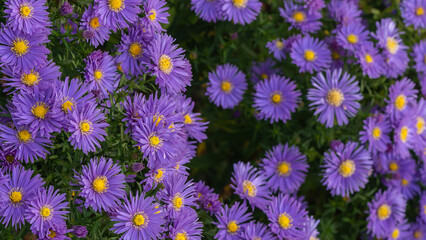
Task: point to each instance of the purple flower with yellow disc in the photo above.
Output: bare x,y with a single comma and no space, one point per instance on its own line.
277,48
300,18
206,9
73,95
90,22
117,13
352,36
28,16
231,221
156,13
413,13
372,62
402,96
239,11
376,132
310,54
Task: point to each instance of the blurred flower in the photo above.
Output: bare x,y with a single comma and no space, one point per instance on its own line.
80,231
66,8
352,36
371,61
276,48
208,10
413,13
376,132
307,21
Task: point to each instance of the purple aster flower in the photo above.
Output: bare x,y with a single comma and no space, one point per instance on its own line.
162,108
300,18
178,193
285,167
22,51
28,145
46,211
419,55
90,22
314,5
346,170
57,232
254,230
208,10
100,73
310,54
16,193
344,12
371,61
26,15
413,13
335,95
132,107
193,123
40,110
87,128
418,116
276,98
226,86
117,13
263,70
418,229
404,137
167,63
102,184
311,231
423,206
400,231
405,181
337,53
41,76
186,226
352,36
79,231
8,159
231,221
250,185
138,218
376,132
402,95
66,8
132,51
73,95
239,11
385,211
206,198
287,217
277,48
156,174
155,14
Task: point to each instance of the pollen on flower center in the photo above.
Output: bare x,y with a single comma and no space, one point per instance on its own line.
116,5
177,202
393,166
97,74
335,97
276,98
280,45
135,49
152,15
45,211
165,64
52,234
392,45
400,102
26,11
159,174
84,127
347,168
395,233
376,133
24,136
420,11
10,158
285,220
181,236
249,188
94,22
310,55
418,234
226,86
384,212
352,38
264,76
20,47
233,227
404,182
240,3
100,184
404,134
139,220
368,58
30,79
40,110
299,16
420,125
335,55
187,119
284,169
67,106
154,140
15,196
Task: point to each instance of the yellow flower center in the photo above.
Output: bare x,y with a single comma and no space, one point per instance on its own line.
165,63
368,58
39,110
335,55
280,45
352,38
15,196
420,11
67,106
240,3
52,234
154,140
347,168
299,16
250,188
395,233
284,220
116,5
400,102
120,68
24,136
393,166
85,127
159,174
152,15
187,119
276,98
30,79
335,97
94,22
10,158
135,49
376,133
310,55
284,169
177,202
264,76
25,11
97,74
226,86
384,212
392,45
20,47
233,227
418,234
424,209
100,184
404,182
420,125
404,134
181,236
45,211
138,220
